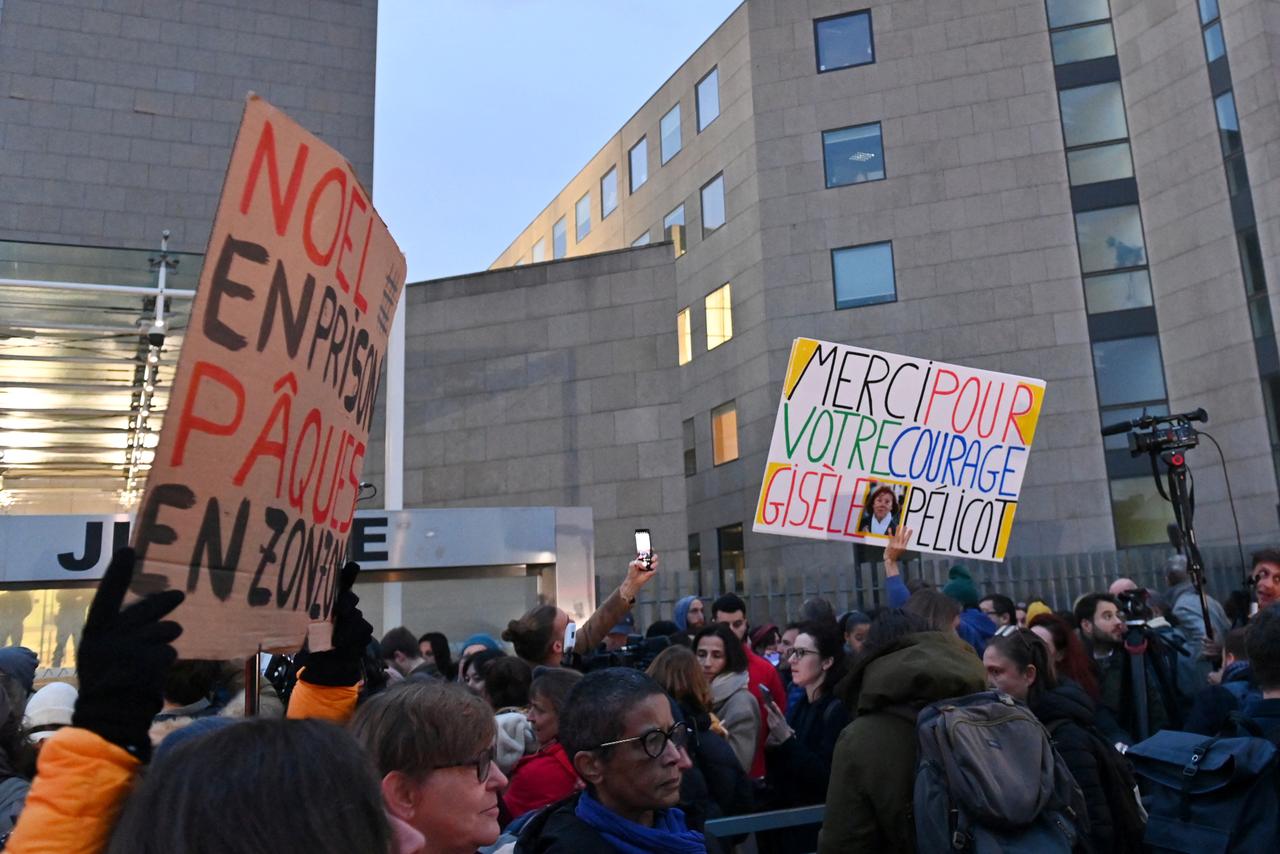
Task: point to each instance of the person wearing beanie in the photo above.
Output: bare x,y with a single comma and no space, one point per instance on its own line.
1035,608
476,643
975,627
690,614
48,711
19,664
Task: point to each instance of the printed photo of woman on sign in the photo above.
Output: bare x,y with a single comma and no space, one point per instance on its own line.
882,508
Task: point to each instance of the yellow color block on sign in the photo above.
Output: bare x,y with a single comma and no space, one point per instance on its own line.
801,353
769,471
1027,421
1006,528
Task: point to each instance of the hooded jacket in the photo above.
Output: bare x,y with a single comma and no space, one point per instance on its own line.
873,768
681,616
540,779
1068,713
739,713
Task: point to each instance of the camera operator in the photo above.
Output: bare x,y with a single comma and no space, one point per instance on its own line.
1103,630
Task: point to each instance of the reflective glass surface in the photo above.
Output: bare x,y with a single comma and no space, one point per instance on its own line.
1063,13
1092,114
713,204
1214,46
863,275
853,155
540,250
642,240
1110,239
559,239
1081,43
708,97
844,41
676,217
1141,515
582,213
1101,163
670,129
609,192
1228,123
719,307
1208,10
639,160
1117,291
1128,370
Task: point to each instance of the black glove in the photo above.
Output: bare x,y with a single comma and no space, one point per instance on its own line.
122,659
351,634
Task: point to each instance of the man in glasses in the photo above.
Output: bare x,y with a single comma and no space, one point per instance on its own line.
618,730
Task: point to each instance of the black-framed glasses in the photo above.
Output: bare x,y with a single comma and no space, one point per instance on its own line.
483,763
799,652
655,741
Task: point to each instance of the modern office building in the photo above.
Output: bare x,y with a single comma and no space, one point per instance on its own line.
1074,190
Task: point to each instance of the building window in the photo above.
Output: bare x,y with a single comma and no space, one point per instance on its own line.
1128,370
853,154
1255,280
863,275
1110,239
732,556
713,204
690,448
719,316
676,217
582,211
540,250
1099,163
642,240
1117,291
724,433
684,336
695,552
843,41
1214,46
639,159
559,239
609,192
708,98
1141,516
670,128
1093,114
1228,124
1208,11
1064,13
1081,43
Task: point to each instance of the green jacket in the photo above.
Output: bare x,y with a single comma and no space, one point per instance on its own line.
873,770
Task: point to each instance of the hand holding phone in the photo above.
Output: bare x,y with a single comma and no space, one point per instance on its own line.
644,547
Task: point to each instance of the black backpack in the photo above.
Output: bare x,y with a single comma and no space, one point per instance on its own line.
989,780
1128,818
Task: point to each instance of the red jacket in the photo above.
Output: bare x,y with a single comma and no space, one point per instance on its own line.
760,671
539,779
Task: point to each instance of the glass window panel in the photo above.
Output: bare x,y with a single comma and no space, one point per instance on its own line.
863,275
1208,10
639,159
1214,46
1104,163
1255,280
684,336
732,556
708,98
724,433
1228,123
1142,517
540,250
642,240
1260,317
1113,415
1082,43
853,155
713,204
670,129
582,211
844,41
719,306
1128,370
1117,291
1110,239
1271,403
695,552
1063,13
1237,175
676,217
609,192
1092,114
559,239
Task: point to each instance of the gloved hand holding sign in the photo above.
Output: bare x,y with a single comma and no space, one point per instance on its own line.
340,665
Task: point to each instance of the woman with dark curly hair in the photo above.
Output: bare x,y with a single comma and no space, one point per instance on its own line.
881,515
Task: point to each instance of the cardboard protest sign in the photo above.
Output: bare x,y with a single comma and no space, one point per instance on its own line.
866,442
249,501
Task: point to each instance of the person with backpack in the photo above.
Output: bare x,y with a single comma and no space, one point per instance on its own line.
1211,711
1018,663
869,798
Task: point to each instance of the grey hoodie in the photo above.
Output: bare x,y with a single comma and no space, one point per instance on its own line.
740,714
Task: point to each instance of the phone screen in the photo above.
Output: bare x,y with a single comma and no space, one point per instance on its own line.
643,543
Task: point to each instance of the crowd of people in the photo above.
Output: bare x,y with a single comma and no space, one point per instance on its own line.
549,740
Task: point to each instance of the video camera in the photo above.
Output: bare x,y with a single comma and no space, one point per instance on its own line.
638,653
1154,434
1134,606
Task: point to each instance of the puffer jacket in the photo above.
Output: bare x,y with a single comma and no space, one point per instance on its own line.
873,767
1068,714
739,713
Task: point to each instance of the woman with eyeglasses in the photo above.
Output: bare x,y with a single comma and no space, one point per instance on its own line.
1018,662
432,744
724,664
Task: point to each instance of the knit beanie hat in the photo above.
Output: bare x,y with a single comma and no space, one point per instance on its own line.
18,662
1037,608
960,586
49,709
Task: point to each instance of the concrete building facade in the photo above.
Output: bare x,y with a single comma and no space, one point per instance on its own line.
1051,199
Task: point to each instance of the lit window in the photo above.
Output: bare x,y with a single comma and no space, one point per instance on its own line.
1128,370
559,239
676,217
843,41
1110,239
863,275
1081,43
853,155
582,210
540,250
684,336
708,97
690,449
724,433
609,192
670,128
712,204
639,158
642,240
719,316
1092,114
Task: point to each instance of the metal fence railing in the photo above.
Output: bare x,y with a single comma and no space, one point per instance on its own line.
774,594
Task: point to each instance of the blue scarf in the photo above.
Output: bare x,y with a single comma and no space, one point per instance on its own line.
667,836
